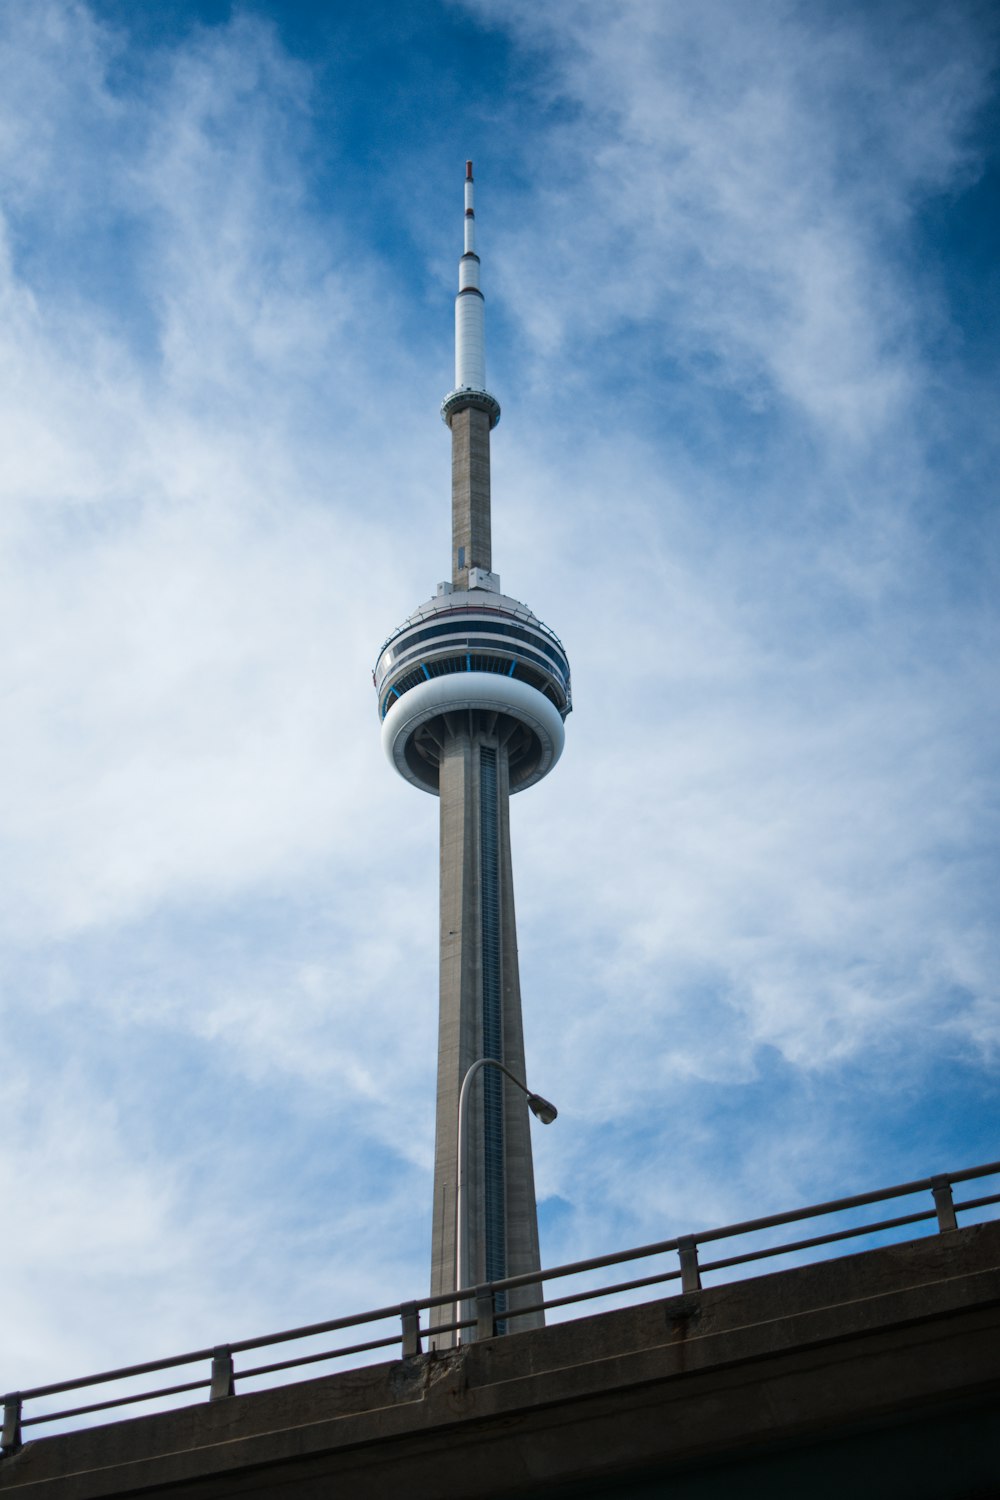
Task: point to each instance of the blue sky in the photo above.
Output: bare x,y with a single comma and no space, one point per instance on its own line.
743,314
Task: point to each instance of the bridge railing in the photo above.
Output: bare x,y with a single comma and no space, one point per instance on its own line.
404,1327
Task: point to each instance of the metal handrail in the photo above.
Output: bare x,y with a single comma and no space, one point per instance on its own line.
409,1340
482,609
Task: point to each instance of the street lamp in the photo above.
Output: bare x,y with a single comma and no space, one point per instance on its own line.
540,1108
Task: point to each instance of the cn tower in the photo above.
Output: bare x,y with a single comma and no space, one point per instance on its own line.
472,692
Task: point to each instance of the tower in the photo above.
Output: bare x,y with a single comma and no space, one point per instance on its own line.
472,692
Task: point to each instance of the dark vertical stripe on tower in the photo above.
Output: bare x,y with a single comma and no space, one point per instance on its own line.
493,1080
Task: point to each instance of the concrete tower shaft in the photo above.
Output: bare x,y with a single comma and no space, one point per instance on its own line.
473,690
471,541
480,1016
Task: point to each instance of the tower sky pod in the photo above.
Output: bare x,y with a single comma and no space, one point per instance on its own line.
473,691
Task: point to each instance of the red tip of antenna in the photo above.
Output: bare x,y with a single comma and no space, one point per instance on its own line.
468,171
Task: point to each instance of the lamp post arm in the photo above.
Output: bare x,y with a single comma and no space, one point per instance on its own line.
484,1062
481,1062
542,1108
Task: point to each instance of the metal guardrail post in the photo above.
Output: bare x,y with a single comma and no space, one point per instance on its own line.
944,1203
11,1424
222,1374
410,1317
687,1250
485,1313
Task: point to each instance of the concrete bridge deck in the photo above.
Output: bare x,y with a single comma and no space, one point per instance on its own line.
876,1373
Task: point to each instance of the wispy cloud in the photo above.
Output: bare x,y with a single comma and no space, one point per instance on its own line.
737,181
783,740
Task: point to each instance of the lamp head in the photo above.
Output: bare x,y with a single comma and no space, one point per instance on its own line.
540,1107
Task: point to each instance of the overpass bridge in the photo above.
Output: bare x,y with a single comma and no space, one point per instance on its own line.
876,1373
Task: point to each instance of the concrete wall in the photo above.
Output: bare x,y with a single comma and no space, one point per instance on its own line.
876,1374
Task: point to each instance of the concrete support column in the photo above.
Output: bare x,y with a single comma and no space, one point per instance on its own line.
471,545
464,1029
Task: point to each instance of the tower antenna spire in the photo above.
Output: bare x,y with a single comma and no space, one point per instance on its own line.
470,329
471,413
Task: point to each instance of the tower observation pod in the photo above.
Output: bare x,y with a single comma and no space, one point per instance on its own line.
473,691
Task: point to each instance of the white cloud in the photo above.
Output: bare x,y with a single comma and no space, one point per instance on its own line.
186,681
189,546
724,186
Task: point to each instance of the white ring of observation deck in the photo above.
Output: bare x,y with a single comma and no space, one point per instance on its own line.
486,691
